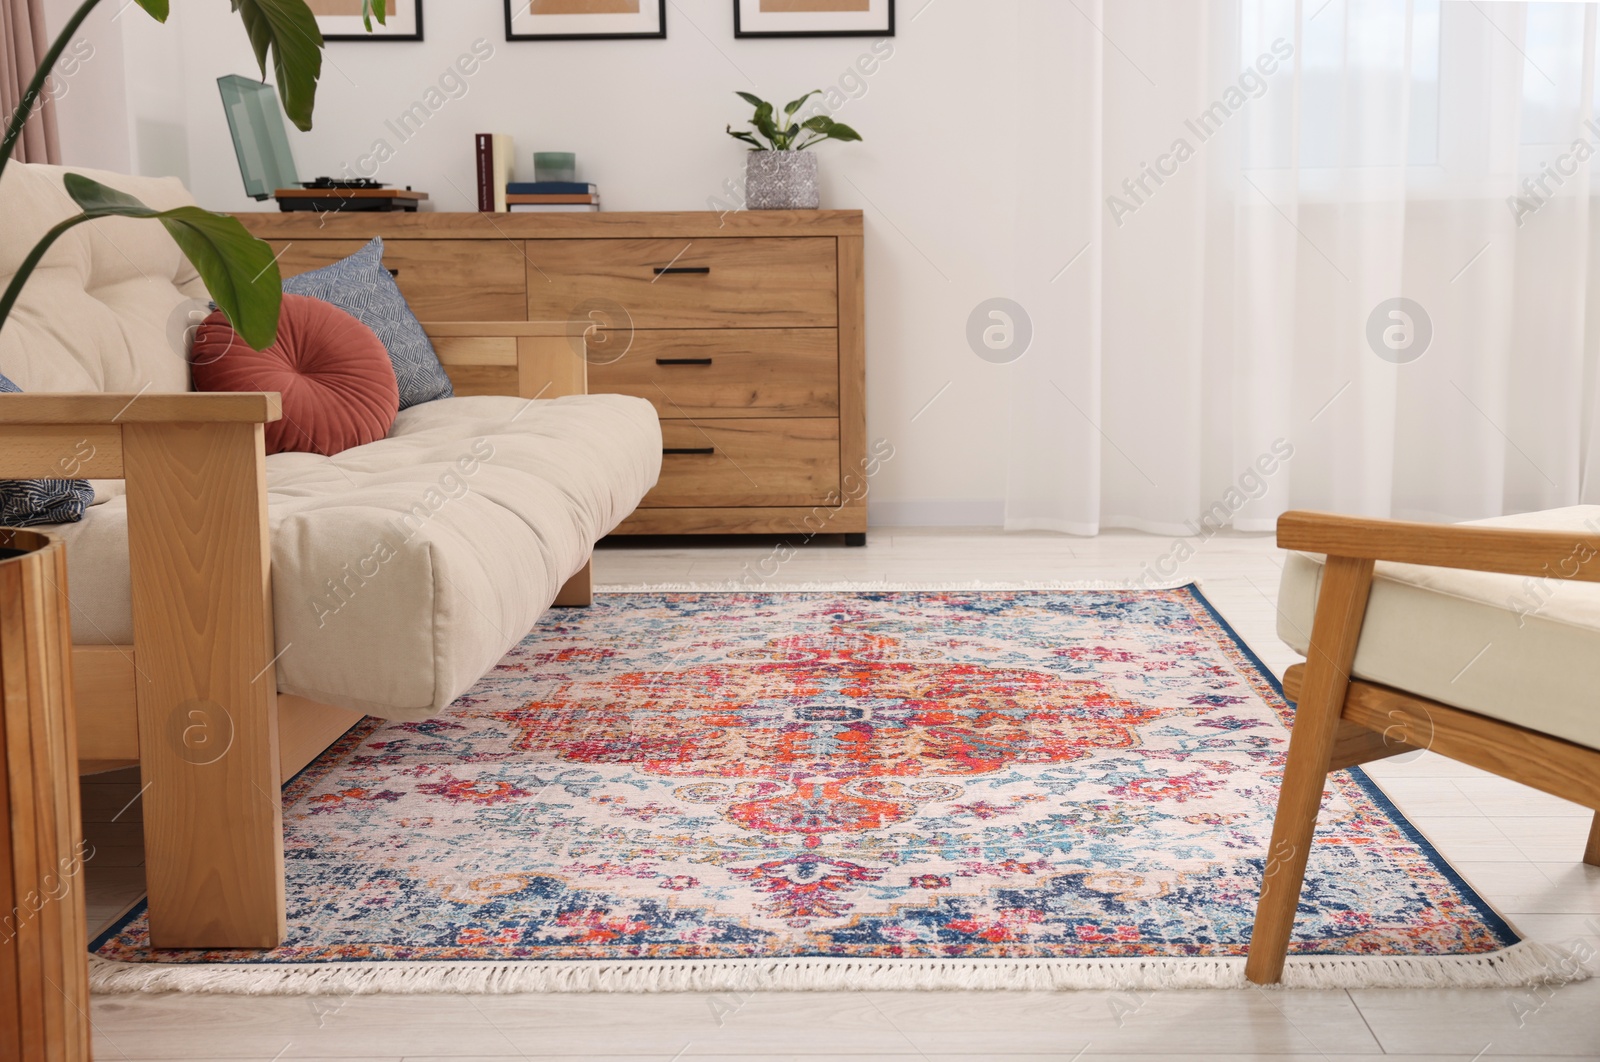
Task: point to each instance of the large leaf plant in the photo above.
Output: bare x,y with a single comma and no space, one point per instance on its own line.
237,269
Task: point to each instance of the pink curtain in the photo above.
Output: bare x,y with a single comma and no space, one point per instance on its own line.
22,43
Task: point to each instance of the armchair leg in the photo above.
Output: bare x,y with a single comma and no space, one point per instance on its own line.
1591,854
1341,607
207,695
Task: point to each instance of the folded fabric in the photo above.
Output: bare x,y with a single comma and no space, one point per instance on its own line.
26,502
361,287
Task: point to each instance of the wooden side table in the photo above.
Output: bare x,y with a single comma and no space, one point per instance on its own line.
44,963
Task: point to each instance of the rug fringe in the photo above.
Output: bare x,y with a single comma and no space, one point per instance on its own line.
729,586
1519,966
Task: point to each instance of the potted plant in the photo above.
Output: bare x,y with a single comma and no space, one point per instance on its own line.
238,270
778,173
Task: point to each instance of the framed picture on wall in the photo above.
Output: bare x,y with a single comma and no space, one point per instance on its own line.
340,20
584,20
813,18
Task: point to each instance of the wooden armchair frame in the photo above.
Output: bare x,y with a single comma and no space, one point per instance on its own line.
193,701
1340,722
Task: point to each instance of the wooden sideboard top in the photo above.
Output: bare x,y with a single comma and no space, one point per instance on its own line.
553,226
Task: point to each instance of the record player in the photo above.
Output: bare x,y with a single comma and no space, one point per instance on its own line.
261,143
327,195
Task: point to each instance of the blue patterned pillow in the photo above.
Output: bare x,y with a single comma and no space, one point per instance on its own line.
25,502
362,288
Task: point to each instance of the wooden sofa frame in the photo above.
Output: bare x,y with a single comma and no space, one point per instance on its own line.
193,702
1341,723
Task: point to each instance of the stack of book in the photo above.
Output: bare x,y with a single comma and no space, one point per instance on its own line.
499,190
552,196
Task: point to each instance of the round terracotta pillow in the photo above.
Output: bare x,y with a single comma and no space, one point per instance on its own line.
337,381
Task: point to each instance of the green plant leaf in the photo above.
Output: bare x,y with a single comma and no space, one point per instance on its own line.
740,134
830,129
158,9
238,270
374,7
754,101
763,121
797,104
289,30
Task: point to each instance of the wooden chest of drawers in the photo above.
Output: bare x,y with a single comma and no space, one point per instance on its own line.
745,331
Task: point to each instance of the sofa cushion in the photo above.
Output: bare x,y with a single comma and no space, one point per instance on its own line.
1521,650
403,570
337,387
360,286
108,306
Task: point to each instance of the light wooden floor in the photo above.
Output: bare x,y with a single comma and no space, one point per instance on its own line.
1520,849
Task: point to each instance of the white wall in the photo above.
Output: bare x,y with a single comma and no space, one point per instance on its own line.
91,89
943,119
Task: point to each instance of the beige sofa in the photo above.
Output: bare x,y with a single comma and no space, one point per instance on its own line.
400,571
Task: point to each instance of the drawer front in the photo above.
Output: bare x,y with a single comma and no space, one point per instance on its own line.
719,283
443,280
747,463
730,372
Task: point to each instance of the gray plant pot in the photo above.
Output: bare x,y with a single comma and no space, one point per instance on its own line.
781,180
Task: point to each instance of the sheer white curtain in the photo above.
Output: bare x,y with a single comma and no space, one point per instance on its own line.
1252,184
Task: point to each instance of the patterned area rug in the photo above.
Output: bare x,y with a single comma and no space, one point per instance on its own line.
997,789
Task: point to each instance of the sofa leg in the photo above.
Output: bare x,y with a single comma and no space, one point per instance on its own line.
579,590
1591,854
206,689
1341,607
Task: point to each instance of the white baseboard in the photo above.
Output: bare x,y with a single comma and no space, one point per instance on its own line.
987,512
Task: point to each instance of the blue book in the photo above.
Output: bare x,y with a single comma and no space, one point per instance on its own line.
551,188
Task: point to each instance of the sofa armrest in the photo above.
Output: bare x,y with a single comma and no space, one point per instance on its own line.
199,559
1509,551
252,407
533,359
80,436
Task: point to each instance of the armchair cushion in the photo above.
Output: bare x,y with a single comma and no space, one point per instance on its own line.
1524,651
403,570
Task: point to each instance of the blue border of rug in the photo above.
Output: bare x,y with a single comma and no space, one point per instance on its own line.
1479,905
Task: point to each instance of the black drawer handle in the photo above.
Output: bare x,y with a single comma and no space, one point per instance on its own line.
683,361
393,272
688,451
683,271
